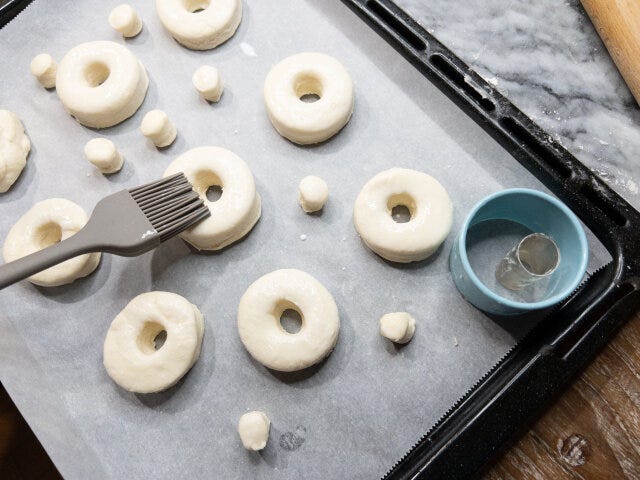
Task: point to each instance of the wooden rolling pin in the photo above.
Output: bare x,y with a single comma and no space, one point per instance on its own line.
618,24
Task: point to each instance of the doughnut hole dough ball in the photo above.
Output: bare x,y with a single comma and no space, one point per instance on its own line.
125,19
260,329
313,193
302,75
253,429
130,356
208,83
104,155
14,149
101,83
237,210
200,24
425,198
44,68
157,127
46,223
398,327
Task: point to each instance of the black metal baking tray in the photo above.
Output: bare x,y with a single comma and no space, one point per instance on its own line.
514,391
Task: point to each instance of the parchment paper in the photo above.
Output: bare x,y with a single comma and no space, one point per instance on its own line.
362,409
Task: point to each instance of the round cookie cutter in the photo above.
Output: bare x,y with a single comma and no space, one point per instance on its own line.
538,212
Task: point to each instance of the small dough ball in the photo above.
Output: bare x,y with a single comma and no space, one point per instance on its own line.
313,193
208,83
14,149
44,68
398,327
125,20
103,154
157,127
253,428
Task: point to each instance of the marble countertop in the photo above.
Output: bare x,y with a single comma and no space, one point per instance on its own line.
547,58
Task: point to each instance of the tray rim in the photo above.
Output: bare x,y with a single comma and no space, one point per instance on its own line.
472,432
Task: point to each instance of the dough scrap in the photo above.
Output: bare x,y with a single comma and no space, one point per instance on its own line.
101,83
428,203
253,428
46,223
130,355
398,327
262,334
44,68
313,193
104,155
14,149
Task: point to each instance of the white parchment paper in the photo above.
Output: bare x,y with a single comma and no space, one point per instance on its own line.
352,416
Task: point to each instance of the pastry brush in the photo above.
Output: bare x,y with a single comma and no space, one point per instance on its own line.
127,223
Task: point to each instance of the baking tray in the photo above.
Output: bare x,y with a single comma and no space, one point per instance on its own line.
474,428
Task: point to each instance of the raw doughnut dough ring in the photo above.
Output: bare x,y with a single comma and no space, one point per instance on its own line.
428,202
260,329
200,24
129,353
235,213
14,149
46,223
308,74
101,83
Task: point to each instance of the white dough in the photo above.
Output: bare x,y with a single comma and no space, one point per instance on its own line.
260,329
313,193
125,20
308,74
101,83
103,154
235,213
14,149
398,327
45,224
431,215
44,68
208,83
253,428
129,354
157,127
200,24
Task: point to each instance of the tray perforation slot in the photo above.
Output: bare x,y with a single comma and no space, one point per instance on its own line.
396,25
603,205
531,143
446,68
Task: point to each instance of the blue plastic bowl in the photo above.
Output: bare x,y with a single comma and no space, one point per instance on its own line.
540,213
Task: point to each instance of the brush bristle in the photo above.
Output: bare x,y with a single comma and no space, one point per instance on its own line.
170,204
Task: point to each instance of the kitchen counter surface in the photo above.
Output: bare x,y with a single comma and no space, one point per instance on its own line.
547,58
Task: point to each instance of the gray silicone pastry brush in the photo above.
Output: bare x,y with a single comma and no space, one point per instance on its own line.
127,223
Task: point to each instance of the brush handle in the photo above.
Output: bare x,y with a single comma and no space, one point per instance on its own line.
618,24
24,267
